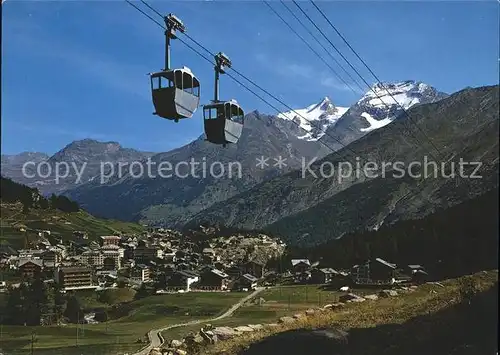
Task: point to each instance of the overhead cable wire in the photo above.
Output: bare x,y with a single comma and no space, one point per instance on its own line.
245,86
144,13
371,72
310,47
364,63
152,9
349,63
278,100
322,45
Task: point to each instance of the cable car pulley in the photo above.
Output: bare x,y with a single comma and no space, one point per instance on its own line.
176,92
223,120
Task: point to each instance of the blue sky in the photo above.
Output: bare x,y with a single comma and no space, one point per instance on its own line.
77,69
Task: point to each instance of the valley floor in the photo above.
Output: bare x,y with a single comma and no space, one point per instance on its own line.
406,315
153,312
117,336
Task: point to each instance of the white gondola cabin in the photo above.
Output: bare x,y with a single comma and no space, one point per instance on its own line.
176,93
223,122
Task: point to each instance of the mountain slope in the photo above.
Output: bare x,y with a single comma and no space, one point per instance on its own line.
25,212
12,164
295,136
445,242
172,200
464,125
76,163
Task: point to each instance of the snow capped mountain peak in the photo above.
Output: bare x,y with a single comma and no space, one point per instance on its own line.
403,94
315,119
385,101
380,106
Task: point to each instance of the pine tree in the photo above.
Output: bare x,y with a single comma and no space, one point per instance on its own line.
59,302
14,307
142,292
73,310
39,304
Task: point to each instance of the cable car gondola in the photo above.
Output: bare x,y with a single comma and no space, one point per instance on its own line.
176,92
223,120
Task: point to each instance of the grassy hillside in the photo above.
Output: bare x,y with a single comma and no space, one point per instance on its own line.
59,223
24,212
116,336
457,317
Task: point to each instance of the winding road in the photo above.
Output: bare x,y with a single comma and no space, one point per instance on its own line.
157,340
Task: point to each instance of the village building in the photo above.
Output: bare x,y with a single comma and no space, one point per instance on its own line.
322,276
92,258
417,273
30,253
254,267
377,271
30,267
74,277
246,281
109,240
51,258
145,253
111,257
214,279
300,265
183,279
234,271
106,276
140,274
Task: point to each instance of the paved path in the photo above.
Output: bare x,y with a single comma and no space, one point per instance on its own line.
156,339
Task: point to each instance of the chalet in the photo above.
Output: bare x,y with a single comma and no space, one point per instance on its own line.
183,279
416,272
300,265
254,267
73,277
234,271
377,271
215,279
246,281
322,276
30,268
